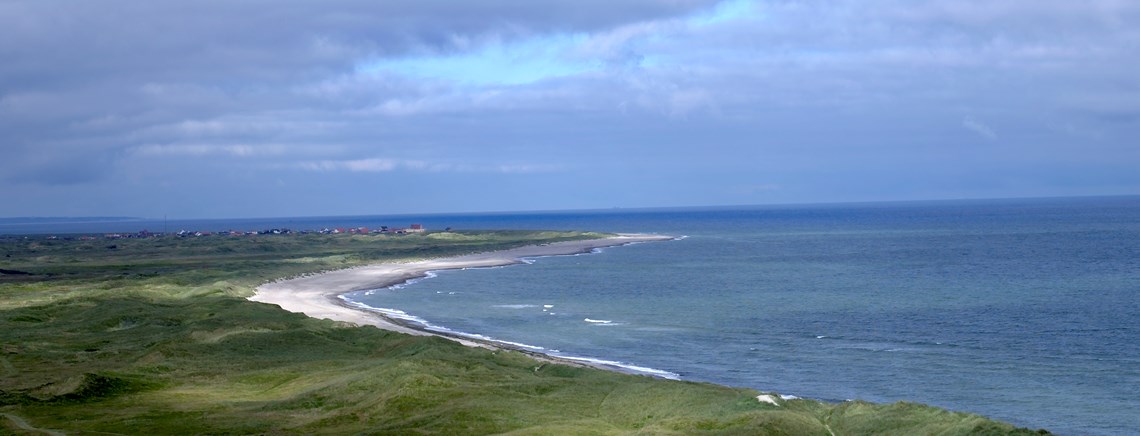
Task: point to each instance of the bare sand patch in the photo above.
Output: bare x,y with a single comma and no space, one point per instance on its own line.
318,295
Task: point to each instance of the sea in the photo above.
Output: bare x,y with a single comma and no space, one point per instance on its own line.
1023,310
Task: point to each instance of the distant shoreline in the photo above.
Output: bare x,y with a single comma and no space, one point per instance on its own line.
318,295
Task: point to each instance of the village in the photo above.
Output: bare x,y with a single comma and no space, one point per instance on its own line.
414,228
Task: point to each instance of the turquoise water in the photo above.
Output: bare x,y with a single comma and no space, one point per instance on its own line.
1024,311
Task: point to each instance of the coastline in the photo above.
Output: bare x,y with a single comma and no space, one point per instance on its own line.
318,295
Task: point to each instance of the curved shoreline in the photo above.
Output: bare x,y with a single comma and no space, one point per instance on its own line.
318,295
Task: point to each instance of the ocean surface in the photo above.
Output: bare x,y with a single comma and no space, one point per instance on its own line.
1026,311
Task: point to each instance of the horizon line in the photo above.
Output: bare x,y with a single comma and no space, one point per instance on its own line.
110,218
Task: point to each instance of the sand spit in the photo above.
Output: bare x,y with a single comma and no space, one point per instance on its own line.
317,295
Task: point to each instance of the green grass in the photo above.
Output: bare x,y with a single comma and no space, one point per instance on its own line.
155,336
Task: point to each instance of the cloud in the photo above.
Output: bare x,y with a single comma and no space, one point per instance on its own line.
724,11
977,127
520,61
357,165
693,95
52,168
496,63
382,165
234,150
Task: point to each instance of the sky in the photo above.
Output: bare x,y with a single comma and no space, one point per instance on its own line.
259,108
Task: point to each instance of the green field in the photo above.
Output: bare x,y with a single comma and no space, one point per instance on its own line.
154,335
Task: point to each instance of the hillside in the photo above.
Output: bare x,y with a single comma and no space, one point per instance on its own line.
154,335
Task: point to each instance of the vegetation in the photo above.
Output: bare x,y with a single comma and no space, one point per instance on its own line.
155,335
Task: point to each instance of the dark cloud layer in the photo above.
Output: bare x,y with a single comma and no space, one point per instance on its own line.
119,107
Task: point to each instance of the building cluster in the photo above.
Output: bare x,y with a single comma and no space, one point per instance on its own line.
414,228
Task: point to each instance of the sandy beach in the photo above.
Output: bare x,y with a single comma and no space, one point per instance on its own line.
317,295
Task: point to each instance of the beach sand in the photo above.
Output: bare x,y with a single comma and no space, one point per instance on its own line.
318,295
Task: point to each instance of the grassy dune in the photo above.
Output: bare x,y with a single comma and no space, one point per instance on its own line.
155,336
